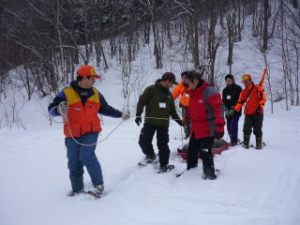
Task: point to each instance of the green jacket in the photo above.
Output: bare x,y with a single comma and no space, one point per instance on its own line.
159,104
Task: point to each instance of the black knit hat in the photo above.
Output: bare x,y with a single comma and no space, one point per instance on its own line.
170,77
184,73
229,76
193,75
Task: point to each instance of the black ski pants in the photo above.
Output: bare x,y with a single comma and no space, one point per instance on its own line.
204,147
254,122
162,135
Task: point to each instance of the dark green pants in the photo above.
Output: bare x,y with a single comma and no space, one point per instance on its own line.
255,123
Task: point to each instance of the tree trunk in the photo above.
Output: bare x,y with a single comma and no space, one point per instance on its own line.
297,75
265,28
295,4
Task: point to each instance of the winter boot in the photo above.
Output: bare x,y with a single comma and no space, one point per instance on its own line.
245,143
149,159
96,190
259,144
208,167
209,173
166,168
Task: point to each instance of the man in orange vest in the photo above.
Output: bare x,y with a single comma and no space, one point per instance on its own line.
182,90
82,125
255,98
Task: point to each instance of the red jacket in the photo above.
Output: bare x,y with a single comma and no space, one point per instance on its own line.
205,112
82,119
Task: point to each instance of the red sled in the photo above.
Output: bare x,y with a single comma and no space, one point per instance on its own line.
220,145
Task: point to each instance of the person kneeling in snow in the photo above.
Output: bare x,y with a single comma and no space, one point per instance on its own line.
82,103
160,106
206,115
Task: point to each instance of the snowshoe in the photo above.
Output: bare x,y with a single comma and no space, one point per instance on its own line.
166,169
96,191
253,146
246,146
148,160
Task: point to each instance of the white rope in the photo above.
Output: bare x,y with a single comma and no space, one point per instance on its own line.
63,108
95,143
157,118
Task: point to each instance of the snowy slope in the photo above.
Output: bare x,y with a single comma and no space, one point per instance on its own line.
254,188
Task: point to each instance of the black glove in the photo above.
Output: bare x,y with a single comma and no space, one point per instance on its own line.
227,113
259,110
231,113
138,120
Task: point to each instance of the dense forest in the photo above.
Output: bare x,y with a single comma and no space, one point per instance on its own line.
48,38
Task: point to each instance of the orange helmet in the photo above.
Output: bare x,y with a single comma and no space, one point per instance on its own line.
246,77
87,71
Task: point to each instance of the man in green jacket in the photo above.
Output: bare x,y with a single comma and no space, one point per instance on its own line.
160,106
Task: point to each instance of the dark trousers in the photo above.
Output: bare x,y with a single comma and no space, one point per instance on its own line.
145,142
232,128
204,147
186,126
79,156
254,122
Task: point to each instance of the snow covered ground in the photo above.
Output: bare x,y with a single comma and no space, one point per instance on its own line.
255,187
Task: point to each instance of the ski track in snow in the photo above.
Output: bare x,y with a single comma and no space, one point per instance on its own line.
255,187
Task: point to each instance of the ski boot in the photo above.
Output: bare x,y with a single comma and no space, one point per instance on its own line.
96,191
149,159
166,168
245,143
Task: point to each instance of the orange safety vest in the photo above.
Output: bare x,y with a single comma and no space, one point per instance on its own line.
82,119
183,91
254,97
